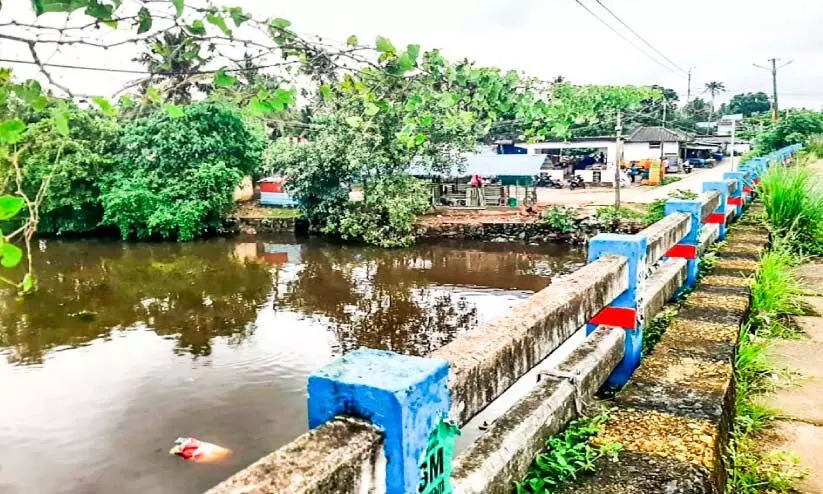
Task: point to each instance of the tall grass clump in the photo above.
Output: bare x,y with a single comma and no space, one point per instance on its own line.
776,291
775,296
793,200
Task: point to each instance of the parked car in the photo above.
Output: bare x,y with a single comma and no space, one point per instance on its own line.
701,162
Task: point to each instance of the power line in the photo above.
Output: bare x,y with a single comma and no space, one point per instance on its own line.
640,37
140,72
625,38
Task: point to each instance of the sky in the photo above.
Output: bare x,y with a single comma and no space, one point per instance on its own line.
720,39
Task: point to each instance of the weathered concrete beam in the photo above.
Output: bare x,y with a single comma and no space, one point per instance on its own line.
711,201
674,416
507,449
342,456
483,363
662,285
665,234
708,236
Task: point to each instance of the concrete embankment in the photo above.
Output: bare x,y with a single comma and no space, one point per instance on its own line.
674,416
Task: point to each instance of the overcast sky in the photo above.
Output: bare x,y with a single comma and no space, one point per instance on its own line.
721,39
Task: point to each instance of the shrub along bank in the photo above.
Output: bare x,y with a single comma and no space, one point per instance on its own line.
154,176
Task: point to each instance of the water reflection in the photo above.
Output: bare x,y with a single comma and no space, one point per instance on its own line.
127,346
189,292
410,301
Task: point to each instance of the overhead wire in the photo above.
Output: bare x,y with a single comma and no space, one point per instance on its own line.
641,38
142,72
625,38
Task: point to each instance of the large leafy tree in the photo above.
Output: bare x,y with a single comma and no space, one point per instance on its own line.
176,175
748,104
793,128
418,110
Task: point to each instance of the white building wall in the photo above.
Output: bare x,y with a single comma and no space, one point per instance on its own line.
639,151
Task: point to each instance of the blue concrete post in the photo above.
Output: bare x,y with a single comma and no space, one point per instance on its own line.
736,197
718,217
687,248
623,311
402,395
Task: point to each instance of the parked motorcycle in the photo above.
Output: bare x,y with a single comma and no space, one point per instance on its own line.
577,182
548,182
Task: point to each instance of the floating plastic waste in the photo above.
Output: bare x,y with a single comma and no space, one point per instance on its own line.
200,451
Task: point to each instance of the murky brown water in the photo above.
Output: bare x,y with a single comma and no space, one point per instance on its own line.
127,347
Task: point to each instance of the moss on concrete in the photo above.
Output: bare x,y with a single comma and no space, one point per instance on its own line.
674,416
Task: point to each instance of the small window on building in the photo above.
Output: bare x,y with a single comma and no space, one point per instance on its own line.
655,144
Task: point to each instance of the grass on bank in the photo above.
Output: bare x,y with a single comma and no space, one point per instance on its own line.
775,297
568,455
793,200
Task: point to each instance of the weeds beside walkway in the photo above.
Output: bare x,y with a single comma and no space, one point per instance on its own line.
798,429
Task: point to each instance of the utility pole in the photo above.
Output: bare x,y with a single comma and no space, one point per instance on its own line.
773,69
734,124
689,87
619,151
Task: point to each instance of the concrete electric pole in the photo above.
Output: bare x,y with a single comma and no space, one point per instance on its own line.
619,159
689,87
773,69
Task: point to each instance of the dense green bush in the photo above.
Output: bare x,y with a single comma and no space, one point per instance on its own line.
793,128
176,176
76,163
386,215
794,204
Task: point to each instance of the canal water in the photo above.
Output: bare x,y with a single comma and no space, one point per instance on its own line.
128,346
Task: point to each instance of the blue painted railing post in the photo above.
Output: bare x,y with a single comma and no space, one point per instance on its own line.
404,396
736,197
687,248
718,217
623,311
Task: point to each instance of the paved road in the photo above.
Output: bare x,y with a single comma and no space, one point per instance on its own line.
636,194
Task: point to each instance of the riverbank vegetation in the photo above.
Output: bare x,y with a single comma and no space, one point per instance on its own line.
775,297
793,201
162,160
568,455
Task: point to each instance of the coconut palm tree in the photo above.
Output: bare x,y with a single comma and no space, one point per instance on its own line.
714,88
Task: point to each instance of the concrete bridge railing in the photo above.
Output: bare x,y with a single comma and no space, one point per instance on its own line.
385,422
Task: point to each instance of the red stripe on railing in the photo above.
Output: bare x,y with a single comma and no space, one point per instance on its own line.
716,219
621,317
736,201
683,250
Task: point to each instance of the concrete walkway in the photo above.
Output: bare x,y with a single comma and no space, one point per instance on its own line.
602,196
800,431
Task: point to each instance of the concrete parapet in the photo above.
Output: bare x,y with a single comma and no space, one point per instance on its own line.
662,285
672,419
508,448
344,455
486,361
665,234
674,416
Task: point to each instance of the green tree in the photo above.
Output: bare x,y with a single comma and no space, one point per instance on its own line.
749,104
714,88
75,165
795,127
698,110
176,176
176,59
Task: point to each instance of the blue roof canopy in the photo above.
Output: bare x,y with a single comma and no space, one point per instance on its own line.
486,165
